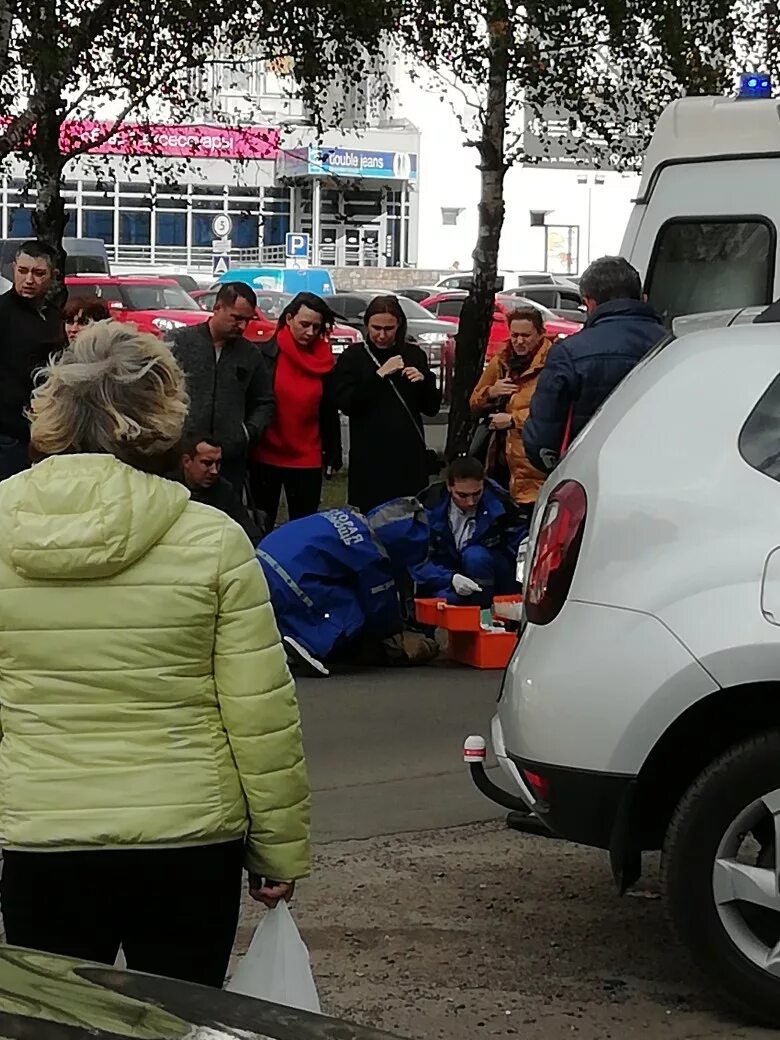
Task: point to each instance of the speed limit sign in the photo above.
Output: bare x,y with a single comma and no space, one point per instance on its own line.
221,225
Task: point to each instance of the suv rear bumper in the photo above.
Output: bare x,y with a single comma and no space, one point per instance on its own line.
580,805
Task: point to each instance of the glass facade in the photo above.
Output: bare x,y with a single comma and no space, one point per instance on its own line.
146,223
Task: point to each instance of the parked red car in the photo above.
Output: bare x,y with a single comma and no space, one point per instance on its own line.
270,305
156,305
448,305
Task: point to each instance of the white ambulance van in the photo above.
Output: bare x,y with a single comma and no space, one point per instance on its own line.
703,231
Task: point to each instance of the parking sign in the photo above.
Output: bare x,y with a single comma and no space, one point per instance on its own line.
296,245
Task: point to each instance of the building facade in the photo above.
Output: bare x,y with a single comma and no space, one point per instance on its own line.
561,211
250,153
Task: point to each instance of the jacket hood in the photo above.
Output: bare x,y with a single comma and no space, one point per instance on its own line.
402,527
84,516
625,308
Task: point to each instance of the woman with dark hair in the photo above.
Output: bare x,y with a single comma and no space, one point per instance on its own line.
305,435
385,387
81,311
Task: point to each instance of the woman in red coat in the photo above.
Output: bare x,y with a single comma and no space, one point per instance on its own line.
305,435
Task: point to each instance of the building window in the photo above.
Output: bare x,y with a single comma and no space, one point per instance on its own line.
202,233
99,223
171,229
245,229
449,215
703,265
135,228
20,223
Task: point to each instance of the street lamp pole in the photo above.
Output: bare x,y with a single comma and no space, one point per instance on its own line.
598,181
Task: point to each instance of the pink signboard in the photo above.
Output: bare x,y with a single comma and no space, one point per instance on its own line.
190,141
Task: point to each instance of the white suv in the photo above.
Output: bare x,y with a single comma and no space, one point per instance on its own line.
641,709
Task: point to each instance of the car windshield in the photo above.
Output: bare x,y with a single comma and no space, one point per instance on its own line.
273,303
158,298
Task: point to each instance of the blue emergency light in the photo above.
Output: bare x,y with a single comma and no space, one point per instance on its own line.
754,85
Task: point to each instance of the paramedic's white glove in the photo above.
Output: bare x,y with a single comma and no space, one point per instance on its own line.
465,586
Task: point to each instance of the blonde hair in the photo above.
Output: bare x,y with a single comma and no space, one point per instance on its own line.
114,391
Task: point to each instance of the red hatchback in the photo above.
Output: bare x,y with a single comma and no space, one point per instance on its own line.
270,305
156,305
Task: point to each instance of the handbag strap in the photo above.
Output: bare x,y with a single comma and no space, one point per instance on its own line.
399,395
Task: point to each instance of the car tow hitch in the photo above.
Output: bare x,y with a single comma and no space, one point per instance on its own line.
521,817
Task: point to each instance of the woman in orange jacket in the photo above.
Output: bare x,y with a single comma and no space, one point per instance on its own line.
504,392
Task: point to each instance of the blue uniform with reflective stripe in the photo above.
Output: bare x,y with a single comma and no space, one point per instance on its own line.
331,576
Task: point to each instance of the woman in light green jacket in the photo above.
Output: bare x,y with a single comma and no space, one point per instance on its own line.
151,742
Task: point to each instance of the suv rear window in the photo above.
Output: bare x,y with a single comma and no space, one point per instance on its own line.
759,445
702,264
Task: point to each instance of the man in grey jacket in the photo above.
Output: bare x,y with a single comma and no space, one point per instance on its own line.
229,383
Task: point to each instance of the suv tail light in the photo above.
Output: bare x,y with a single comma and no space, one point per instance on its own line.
555,553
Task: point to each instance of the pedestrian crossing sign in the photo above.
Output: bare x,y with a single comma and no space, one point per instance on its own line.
220,264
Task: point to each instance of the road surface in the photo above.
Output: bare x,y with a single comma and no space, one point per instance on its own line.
465,930
384,749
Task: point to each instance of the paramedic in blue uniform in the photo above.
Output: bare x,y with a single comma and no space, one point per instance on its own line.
475,532
337,575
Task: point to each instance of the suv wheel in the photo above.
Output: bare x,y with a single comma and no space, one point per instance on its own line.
722,874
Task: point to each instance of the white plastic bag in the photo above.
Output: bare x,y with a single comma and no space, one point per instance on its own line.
276,966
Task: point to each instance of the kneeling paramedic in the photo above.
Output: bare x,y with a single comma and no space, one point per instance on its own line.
475,532
332,577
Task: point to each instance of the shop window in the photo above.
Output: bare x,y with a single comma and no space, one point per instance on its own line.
244,233
275,228
20,223
99,223
701,264
171,229
135,228
202,233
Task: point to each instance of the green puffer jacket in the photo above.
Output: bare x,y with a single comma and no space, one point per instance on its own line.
145,699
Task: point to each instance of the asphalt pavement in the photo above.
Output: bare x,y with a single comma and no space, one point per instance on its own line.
384,748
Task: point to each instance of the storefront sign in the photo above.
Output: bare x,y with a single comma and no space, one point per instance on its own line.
192,141
349,162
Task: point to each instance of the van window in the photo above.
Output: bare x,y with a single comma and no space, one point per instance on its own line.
758,442
702,264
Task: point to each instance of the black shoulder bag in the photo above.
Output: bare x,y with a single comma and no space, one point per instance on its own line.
433,465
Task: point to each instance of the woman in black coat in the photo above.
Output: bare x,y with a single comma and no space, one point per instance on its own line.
385,386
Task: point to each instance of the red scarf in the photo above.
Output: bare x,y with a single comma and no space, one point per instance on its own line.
293,439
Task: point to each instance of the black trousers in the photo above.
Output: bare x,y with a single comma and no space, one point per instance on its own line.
173,911
302,489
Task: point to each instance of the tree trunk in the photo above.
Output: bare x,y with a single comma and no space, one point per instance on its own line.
46,176
477,315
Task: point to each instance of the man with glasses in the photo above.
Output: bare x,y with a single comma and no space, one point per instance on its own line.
201,462
475,531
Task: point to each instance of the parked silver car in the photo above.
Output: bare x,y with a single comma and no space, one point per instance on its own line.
641,709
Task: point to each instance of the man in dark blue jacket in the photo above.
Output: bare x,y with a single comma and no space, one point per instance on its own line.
333,576
475,531
583,370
